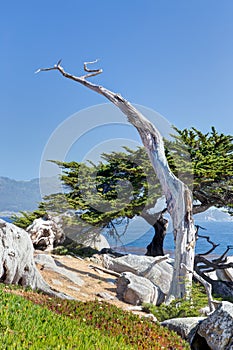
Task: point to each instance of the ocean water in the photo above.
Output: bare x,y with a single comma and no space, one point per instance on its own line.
139,234
219,232
5,218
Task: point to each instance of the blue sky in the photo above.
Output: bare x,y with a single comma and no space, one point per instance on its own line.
175,57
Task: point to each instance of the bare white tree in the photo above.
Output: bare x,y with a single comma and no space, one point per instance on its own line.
178,196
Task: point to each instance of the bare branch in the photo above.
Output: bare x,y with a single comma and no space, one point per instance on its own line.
110,272
214,245
158,259
207,285
88,69
99,71
93,72
222,258
216,266
50,68
199,227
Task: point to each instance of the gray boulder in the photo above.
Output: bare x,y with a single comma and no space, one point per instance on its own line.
185,326
217,329
136,290
156,269
49,263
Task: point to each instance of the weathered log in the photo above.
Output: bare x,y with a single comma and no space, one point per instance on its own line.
17,264
46,232
178,196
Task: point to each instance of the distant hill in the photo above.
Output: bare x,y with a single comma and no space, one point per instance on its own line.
18,196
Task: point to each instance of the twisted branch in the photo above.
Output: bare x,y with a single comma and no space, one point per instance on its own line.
222,258
207,286
214,265
81,79
214,245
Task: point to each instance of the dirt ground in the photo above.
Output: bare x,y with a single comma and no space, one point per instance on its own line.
95,280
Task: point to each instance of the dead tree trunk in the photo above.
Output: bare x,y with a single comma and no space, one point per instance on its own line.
17,264
178,196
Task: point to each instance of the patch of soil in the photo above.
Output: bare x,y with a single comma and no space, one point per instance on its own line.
95,281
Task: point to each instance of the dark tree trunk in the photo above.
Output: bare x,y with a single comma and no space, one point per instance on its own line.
155,248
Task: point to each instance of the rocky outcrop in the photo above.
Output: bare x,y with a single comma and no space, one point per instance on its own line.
217,329
155,269
214,332
47,262
136,290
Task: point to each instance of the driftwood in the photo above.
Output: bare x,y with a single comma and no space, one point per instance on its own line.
46,232
178,196
110,272
17,264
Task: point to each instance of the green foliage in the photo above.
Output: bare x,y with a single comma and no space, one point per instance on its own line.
69,324
124,184
117,187
211,156
26,218
75,250
181,307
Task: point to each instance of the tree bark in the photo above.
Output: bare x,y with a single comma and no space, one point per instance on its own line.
178,196
17,264
155,248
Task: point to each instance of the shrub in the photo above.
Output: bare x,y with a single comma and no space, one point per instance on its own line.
180,307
